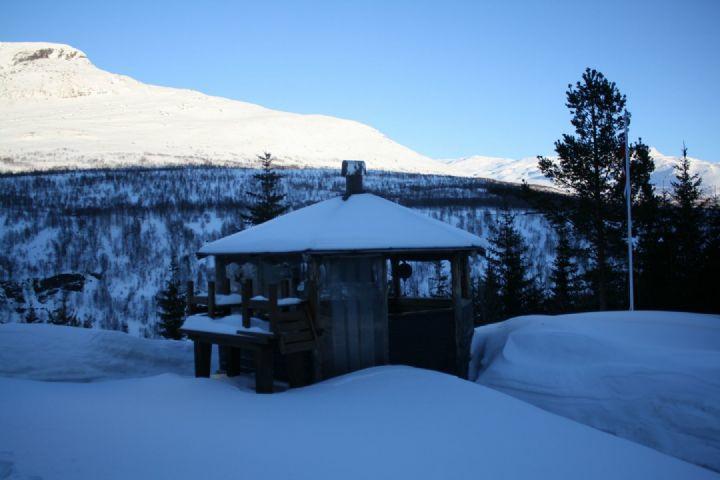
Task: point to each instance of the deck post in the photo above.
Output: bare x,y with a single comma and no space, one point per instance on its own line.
264,369
462,307
247,290
211,299
202,352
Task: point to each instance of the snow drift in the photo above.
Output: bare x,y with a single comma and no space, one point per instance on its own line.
652,377
389,422
54,353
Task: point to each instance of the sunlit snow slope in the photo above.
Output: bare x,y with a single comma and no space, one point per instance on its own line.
60,111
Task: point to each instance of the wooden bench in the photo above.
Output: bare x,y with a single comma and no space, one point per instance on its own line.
292,334
261,345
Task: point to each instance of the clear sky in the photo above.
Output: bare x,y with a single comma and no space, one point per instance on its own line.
446,78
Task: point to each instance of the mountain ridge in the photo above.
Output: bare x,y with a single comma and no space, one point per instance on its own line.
62,112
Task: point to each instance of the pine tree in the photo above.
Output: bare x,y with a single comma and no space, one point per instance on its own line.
268,201
710,264
591,168
564,290
507,274
171,305
687,236
486,300
440,281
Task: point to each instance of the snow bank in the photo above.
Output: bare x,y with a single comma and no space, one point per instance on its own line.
49,352
652,377
388,422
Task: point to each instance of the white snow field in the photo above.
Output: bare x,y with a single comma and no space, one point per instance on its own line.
651,377
61,111
386,422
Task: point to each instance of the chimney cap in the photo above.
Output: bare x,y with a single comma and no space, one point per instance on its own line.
353,167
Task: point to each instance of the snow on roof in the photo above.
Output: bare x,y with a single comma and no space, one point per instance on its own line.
362,222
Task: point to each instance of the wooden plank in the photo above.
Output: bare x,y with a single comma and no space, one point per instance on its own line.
241,339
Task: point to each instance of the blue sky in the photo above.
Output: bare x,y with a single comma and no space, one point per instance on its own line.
446,78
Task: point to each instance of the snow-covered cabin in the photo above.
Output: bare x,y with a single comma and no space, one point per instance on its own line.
345,257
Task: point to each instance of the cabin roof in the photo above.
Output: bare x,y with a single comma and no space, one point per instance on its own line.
363,222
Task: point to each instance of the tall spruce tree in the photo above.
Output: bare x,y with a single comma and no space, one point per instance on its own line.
687,236
268,200
171,304
590,166
507,276
708,277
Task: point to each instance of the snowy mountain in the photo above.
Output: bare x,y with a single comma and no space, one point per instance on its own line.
60,111
511,170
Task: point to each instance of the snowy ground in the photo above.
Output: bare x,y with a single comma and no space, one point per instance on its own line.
388,422
652,377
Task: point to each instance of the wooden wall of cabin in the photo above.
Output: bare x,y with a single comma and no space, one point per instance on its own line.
352,311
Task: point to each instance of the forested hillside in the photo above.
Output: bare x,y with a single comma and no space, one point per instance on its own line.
93,248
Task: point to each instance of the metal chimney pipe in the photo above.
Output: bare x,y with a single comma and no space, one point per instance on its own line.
353,171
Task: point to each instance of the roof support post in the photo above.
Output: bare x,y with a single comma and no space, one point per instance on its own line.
462,307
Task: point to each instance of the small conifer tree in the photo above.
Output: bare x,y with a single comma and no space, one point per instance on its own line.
564,288
507,276
171,305
268,199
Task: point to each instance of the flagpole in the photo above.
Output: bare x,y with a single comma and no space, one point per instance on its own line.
628,197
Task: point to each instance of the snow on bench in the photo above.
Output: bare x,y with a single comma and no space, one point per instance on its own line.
282,302
229,325
231,299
